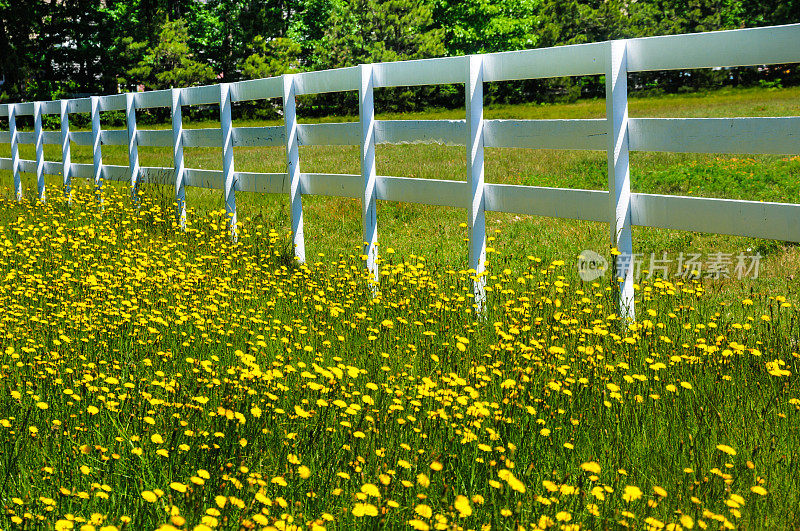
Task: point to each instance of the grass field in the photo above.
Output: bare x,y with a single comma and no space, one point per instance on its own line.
333,224
159,379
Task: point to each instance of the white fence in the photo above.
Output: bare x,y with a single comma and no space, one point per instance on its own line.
617,134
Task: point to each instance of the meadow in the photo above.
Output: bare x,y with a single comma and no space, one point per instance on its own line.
333,225
159,379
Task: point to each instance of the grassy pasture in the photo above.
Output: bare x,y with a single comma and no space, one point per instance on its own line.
333,224
157,379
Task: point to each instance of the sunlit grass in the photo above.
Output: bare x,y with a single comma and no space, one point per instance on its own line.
156,378
333,224
153,378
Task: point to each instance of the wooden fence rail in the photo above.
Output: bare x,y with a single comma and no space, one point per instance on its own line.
617,134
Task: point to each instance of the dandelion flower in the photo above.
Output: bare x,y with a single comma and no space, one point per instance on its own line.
591,466
371,490
364,509
632,493
423,510
563,516
462,506
726,449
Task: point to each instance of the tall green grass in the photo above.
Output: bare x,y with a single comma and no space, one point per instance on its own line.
333,224
156,379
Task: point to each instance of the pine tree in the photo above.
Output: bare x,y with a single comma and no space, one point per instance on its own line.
170,63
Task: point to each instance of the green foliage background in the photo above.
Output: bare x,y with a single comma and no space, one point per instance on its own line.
68,48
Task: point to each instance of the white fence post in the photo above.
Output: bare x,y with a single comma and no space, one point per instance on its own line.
66,155
726,49
369,214
133,146
619,183
12,128
293,166
177,157
228,183
476,222
37,131
97,154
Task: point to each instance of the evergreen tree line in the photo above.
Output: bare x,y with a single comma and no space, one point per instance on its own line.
51,49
